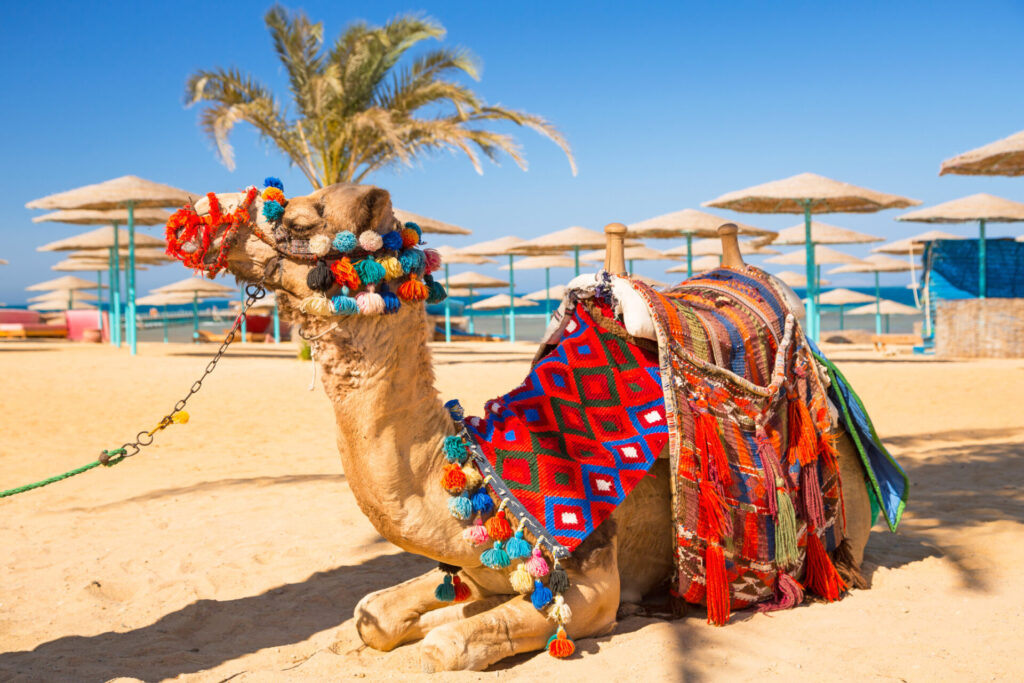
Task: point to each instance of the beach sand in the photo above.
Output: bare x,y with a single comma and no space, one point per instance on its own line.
232,549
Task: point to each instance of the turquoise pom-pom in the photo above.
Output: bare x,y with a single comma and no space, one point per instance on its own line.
437,293
345,305
446,591
454,449
541,596
482,502
271,181
392,240
460,507
345,241
419,231
272,210
517,546
391,302
370,271
412,261
495,557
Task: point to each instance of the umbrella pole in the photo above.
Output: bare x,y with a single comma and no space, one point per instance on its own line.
447,310
115,324
277,323
878,306
576,255
472,325
840,316
887,323
512,295
132,330
631,267
241,312
547,297
913,277
165,324
981,259
689,254
195,317
99,306
812,287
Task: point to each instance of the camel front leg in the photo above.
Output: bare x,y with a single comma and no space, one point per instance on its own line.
517,626
387,618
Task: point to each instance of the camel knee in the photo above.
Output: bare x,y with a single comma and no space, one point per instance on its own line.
377,623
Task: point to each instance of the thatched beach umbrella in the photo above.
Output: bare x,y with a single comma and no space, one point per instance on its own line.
58,304
502,246
129,193
650,281
64,294
164,300
66,285
794,279
547,294
808,193
843,297
877,264
547,263
700,265
571,239
1002,157
885,307
429,224
499,302
449,256
689,223
822,255
983,208
198,288
3,262
915,244
631,254
470,281
713,247
823,233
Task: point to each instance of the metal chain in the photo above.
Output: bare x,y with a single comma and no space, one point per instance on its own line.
253,292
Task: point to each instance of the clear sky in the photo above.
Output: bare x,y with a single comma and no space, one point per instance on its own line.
666,105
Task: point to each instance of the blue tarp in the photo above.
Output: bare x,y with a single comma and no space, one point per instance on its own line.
953,266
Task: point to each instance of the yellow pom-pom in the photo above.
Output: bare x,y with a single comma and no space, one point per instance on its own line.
180,417
273,194
473,477
392,267
521,580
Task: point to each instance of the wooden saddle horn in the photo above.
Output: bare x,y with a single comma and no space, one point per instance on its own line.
731,257
614,250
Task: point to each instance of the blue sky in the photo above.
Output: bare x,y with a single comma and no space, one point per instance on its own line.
666,106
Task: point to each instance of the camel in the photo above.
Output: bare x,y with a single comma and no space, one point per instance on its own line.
376,370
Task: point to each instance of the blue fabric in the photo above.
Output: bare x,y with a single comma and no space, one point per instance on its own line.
954,269
886,479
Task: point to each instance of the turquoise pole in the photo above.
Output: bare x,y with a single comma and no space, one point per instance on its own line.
878,306
195,316
115,288
472,325
689,254
840,316
131,325
447,310
812,285
576,255
111,327
631,267
887,323
241,312
277,323
165,324
547,297
512,297
71,299
99,303
981,260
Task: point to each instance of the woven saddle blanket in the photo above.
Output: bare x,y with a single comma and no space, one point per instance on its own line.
733,393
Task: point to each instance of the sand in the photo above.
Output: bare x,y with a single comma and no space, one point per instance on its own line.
233,550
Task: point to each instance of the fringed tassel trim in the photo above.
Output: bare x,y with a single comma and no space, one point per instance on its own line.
821,576
717,596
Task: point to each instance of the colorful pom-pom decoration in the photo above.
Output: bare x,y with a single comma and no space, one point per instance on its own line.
473,477
271,181
370,303
344,305
433,260
455,449
370,271
272,211
541,596
521,580
412,290
517,547
476,534
495,557
316,305
320,245
436,292
391,302
446,591
345,273
412,261
274,194
558,581
462,591
320,278
392,240
370,241
392,267
498,527
560,645
410,238
453,479
460,507
345,241
537,565
482,501
409,225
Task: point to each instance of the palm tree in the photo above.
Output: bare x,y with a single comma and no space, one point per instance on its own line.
357,110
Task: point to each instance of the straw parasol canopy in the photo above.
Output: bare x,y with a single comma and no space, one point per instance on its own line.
451,255
198,286
151,254
797,279
649,281
976,207
713,247
640,253
790,195
84,265
105,217
100,238
535,262
114,194
1002,157
3,262
876,263
60,305
571,239
841,297
688,222
885,307
699,265
497,247
66,282
429,224
63,294
821,255
823,233
164,299
500,301
476,281
556,292
915,244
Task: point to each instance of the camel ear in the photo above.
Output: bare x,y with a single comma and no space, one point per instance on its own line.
356,208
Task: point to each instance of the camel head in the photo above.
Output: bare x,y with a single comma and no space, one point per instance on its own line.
338,252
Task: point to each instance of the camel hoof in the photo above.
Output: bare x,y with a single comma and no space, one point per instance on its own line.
444,649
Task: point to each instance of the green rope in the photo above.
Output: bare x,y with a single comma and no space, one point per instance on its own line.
118,455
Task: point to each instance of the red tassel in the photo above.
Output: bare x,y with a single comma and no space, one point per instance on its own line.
771,466
788,593
717,596
803,440
453,480
498,527
821,576
560,645
708,441
462,591
810,487
713,520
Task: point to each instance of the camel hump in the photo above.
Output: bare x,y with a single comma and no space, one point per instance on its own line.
731,257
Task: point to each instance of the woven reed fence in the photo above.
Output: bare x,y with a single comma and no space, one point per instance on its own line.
980,328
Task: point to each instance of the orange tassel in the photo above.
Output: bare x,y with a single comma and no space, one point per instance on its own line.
462,591
413,290
821,576
717,597
498,527
560,646
713,520
710,443
802,439
454,479
345,274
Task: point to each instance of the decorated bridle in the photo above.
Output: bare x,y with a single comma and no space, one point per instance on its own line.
375,270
